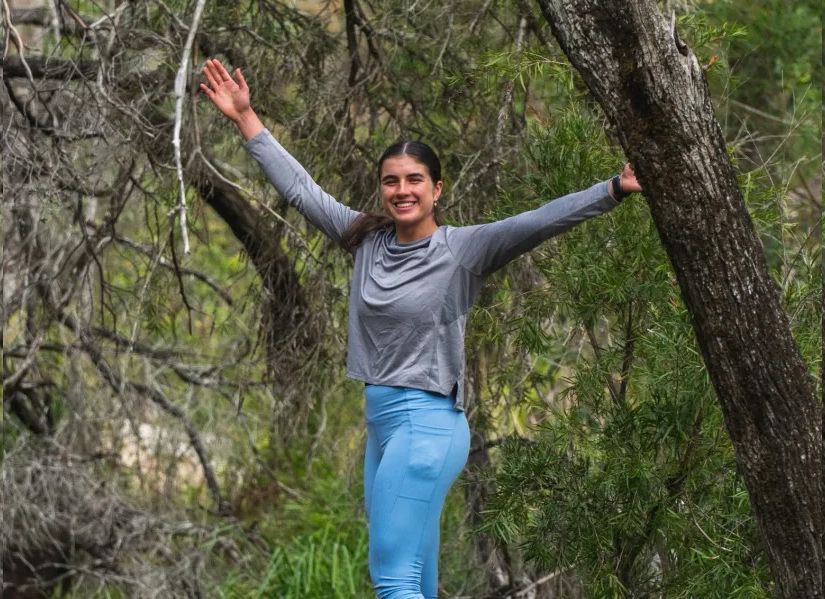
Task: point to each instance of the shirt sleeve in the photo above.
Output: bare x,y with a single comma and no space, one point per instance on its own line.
483,249
299,189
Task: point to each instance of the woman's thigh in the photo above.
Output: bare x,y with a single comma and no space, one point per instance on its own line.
421,457
372,458
417,443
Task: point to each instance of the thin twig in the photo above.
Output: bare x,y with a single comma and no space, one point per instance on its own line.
120,384
54,21
180,90
146,251
507,101
291,230
544,579
11,30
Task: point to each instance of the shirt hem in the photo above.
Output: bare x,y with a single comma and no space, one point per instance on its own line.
396,383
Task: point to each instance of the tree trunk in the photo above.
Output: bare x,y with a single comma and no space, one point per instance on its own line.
495,561
654,92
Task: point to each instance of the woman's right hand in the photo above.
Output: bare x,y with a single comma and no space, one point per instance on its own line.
231,98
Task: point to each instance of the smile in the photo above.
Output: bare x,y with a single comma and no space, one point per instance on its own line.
403,204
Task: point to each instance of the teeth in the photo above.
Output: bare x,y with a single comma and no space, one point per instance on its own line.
404,204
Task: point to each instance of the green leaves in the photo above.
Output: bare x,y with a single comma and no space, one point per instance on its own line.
624,477
325,563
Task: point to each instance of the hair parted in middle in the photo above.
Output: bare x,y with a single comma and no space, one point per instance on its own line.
372,221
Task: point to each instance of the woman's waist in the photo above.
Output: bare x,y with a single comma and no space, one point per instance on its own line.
386,401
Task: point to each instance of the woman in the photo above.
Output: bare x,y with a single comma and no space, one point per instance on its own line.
413,283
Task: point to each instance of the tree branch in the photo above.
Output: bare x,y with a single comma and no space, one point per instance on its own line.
180,90
42,67
119,384
146,251
654,93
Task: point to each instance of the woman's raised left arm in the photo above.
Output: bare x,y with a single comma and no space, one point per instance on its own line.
482,249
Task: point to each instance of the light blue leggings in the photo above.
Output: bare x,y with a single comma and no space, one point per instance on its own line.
417,444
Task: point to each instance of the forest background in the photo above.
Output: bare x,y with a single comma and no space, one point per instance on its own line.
176,418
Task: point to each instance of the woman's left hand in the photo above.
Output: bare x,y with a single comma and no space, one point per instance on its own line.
628,180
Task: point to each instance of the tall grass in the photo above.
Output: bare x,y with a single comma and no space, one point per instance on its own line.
326,563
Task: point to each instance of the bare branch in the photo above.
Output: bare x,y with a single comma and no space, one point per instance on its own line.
119,383
180,90
41,67
11,30
507,99
146,251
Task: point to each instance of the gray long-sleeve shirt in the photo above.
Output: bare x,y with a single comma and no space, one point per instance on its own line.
408,302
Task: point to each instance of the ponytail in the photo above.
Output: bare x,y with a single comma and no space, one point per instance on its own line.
366,223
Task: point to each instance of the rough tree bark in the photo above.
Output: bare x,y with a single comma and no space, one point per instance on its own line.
654,92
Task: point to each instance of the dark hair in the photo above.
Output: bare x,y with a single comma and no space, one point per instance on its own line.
368,222
418,150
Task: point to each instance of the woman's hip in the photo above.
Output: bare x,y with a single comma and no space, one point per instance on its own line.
387,407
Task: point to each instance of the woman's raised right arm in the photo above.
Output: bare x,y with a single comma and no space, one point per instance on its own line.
284,172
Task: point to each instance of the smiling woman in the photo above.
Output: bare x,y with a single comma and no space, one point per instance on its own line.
413,283
411,184
410,177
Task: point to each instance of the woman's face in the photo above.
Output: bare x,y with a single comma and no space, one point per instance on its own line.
408,193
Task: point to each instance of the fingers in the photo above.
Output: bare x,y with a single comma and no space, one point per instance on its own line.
217,75
221,70
208,91
628,179
241,80
211,75
628,170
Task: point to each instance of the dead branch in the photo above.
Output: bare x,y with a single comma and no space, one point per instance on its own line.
41,67
180,88
120,384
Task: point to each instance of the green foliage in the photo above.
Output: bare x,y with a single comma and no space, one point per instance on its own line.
323,563
615,466
627,479
770,54
317,540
